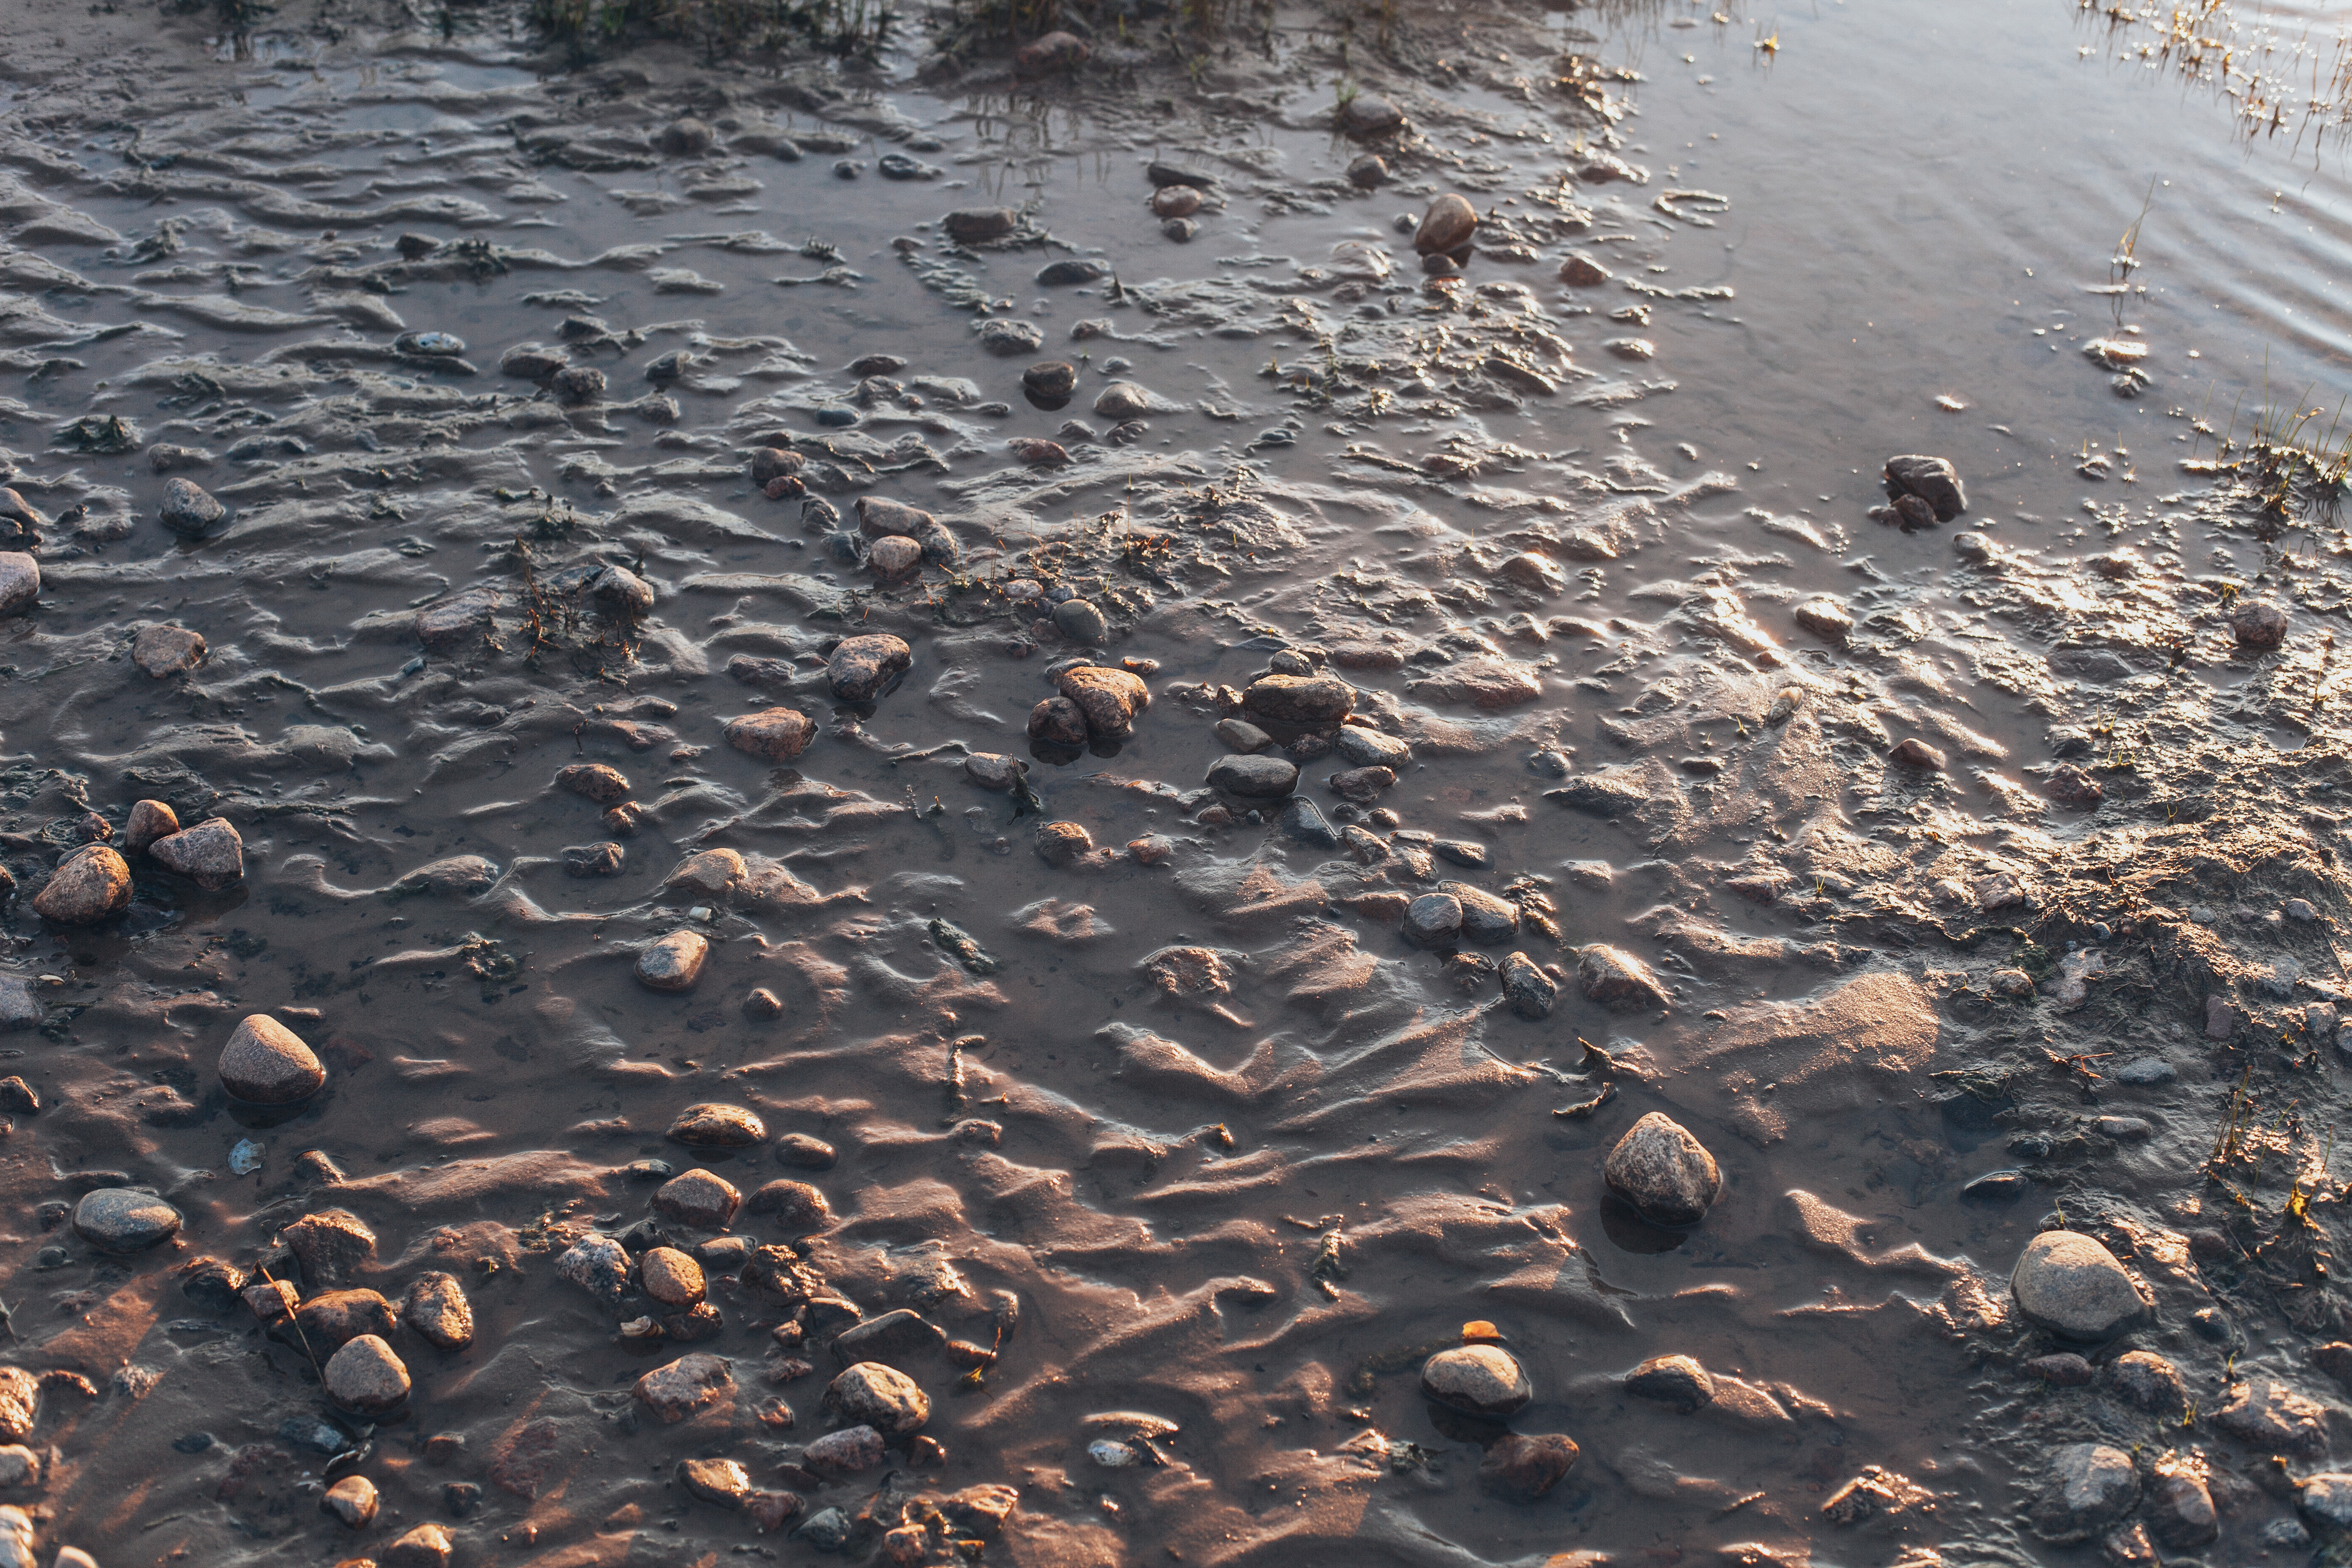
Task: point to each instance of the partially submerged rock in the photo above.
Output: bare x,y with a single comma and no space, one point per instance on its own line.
2070,1284
1664,1173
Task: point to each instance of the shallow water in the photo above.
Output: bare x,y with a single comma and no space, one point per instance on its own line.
1910,195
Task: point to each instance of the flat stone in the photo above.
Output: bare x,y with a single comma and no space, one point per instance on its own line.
90,885
165,650
714,1125
1916,753
671,1277
772,734
266,1063
898,1335
121,1219
1303,823
1486,919
863,667
698,1198
2071,1284
674,962
366,1378
2271,1418
803,1152
689,1383
2144,1072
1370,748
977,226
1675,1380
879,1396
211,855
1253,777
1617,979
2325,1499
437,1307
1664,1173
721,1481
2091,1487
851,1451
2062,1370
1478,1380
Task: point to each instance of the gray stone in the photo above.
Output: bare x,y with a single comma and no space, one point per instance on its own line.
161,650
1486,919
211,855
20,581
266,1063
458,623
898,1335
188,509
1477,1380
19,1008
437,1307
2071,1284
1122,400
879,1396
795,1207
1825,618
2091,1487
848,1452
1447,226
2151,1382
1003,335
1675,1380
149,821
1303,823
894,558
1916,753
2143,1072
1581,271
1371,748
90,885
2181,1508
1370,114
1241,735
699,1198
122,1219
1617,979
1080,622
1664,1173
2271,1418
331,1245
1933,480
2325,1499
366,1378
862,667
598,1265
2258,624
977,226
1531,992
577,385
674,962
602,858
994,771
1433,921
1253,777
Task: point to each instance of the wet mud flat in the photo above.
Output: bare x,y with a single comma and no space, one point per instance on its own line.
875,856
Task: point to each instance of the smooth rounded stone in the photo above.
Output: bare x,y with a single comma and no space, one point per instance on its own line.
1825,618
2068,1283
670,1276
2062,1369
1933,480
1447,226
149,821
1051,378
602,858
851,1451
1477,1380
2181,1509
165,650
1371,748
90,885
2325,1499
882,1397
1314,701
2151,1382
2123,1129
978,225
211,855
1058,721
1368,172
427,1546
1040,454
598,1265
1080,622
687,135
593,781
366,1378
717,1126
1073,270
577,385
1110,701
188,509
772,463
1063,843
621,592
2271,1418
794,1207
1368,114
1914,753
1664,1173
266,1063
1486,918
994,771
1617,979
2256,622
1527,1466
122,1219
437,1307
1122,400
698,1198
1675,1380
862,667
1581,271
1175,201
1433,921
1181,230
721,1481
894,558
2091,1487
532,362
333,1319
1303,823
675,963
1998,1187
1241,735
19,1467
1253,777
803,1152
1531,992
352,1502
772,734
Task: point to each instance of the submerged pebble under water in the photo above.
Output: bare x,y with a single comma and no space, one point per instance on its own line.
1041,812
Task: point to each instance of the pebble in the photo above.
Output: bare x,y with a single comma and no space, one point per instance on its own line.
366,1378
880,1396
1175,201
427,1546
1933,480
772,734
2220,1018
715,1125
530,361
2325,1499
994,771
671,1277
593,781
978,225
622,592
352,1502
577,385
188,509
598,1265
2070,785
1073,270
2258,624
1447,226
1363,786
1051,379
999,335
602,858
687,135
2091,1487
1433,921
1664,1173
674,962
2071,1284
1531,992
1241,735
1486,919
1058,721
1123,399
211,855
803,1152
329,1244
2062,1370
795,1207
1371,748
164,650
19,1467
1999,1187
2180,1509
698,1198
437,1307
90,885
1181,230
1051,53
1304,823
1825,618
862,669
1675,1380
1477,1380
1253,777
333,1319
149,821
1368,172
895,558
458,623
1314,701
20,1399
691,1383
1914,753
266,1063
17,1548
897,1335
122,1219
2148,1380
1524,1466
2271,1418
1582,272
1617,979
1109,701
